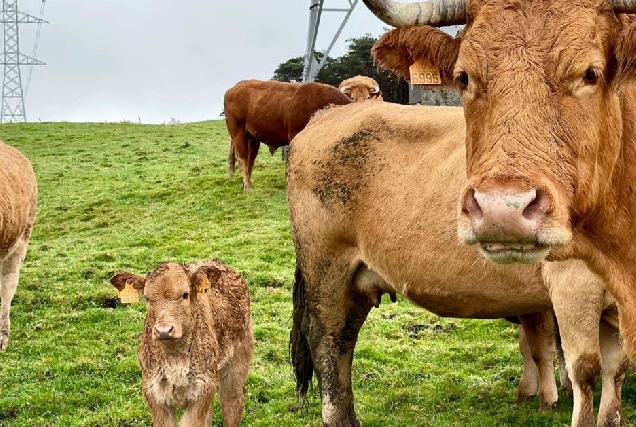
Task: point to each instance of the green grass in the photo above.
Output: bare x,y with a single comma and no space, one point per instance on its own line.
119,197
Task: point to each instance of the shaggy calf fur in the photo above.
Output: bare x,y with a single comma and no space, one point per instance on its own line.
18,199
197,333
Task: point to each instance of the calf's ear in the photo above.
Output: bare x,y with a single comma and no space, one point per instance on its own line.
198,277
119,281
398,49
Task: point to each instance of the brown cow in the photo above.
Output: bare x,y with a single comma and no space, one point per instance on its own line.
18,200
549,95
372,191
270,112
361,88
197,333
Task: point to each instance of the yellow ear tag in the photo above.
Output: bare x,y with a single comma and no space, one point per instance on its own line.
128,295
204,285
423,73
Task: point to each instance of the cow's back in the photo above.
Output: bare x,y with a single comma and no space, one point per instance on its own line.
383,179
18,196
274,112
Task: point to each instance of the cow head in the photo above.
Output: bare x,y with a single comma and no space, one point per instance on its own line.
361,88
171,294
541,85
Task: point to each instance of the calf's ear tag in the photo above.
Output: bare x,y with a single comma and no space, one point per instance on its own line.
128,295
204,285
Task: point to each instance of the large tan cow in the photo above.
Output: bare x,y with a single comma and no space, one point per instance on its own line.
18,200
361,88
372,190
270,112
549,95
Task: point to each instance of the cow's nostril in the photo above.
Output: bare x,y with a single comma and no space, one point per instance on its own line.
471,206
538,207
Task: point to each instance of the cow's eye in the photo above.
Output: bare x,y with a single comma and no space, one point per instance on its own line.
462,78
590,77
186,295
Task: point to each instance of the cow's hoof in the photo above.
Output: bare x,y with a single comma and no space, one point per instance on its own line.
547,406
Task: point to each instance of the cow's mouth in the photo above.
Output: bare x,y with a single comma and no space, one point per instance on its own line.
507,253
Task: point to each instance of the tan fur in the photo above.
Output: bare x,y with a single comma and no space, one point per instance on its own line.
372,191
534,122
360,88
212,343
270,112
18,200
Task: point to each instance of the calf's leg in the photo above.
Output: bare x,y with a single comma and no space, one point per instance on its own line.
614,366
198,414
539,330
9,276
232,379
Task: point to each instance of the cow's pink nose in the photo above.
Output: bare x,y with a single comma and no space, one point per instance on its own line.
164,332
505,215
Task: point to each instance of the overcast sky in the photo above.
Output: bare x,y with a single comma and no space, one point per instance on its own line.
114,60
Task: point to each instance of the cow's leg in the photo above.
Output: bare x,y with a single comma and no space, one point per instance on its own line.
254,146
539,334
232,381
328,315
240,142
578,303
231,159
564,379
529,382
161,415
198,414
9,276
614,366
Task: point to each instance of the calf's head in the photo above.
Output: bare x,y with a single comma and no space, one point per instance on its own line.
171,292
541,84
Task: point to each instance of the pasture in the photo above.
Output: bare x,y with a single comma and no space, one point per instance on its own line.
124,196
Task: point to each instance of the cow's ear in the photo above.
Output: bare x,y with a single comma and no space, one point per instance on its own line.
625,52
119,281
397,50
205,277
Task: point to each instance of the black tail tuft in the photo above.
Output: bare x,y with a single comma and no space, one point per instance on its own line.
298,347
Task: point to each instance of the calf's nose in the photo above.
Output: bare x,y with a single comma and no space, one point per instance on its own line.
164,332
505,215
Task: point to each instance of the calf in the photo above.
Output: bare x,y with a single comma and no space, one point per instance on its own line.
197,332
18,199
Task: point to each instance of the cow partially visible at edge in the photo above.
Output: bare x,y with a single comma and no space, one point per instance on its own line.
270,112
18,200
361,88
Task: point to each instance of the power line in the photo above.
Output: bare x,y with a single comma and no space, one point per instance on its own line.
12,109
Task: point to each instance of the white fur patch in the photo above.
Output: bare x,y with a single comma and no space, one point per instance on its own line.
173,386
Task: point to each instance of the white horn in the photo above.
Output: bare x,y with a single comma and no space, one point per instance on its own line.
374,89
344,89
437,13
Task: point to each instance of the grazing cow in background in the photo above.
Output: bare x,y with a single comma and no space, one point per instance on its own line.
18,200
372,190
197,334
549,95
361,88
270,112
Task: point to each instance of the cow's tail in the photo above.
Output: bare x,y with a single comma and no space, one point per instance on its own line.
231,159
298,347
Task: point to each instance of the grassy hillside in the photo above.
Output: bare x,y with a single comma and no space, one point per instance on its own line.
119,197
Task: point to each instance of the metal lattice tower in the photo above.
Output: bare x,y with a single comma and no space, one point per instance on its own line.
12,92
312,66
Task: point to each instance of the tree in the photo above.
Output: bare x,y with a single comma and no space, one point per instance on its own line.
357,61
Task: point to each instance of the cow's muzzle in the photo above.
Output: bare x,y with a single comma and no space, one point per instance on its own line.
165,331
